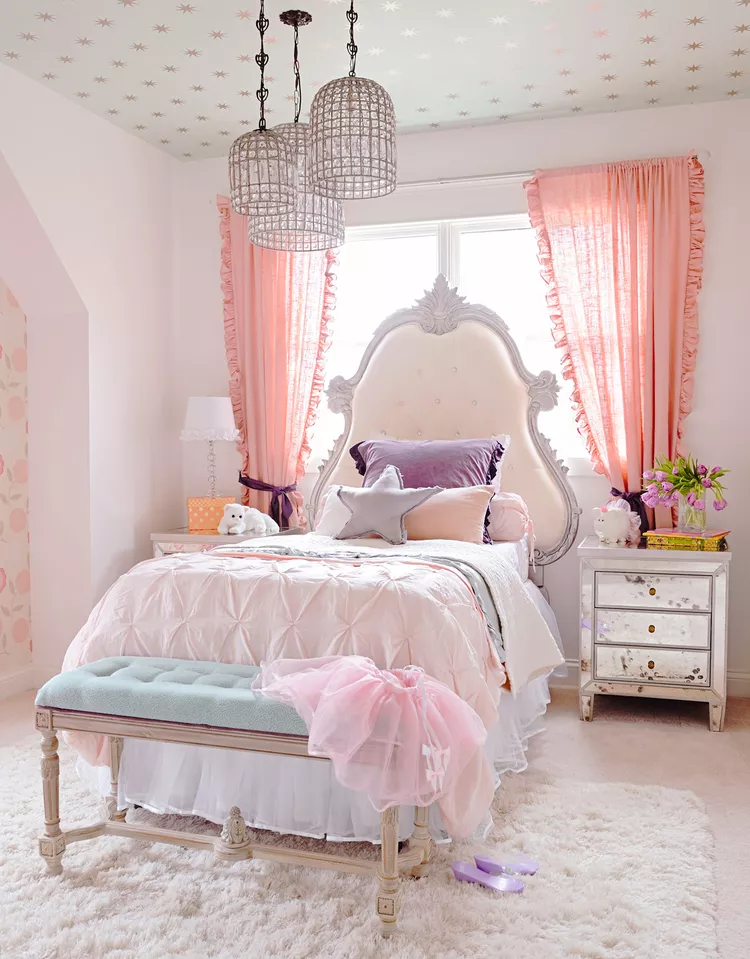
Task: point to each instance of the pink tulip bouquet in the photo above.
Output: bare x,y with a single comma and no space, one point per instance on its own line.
686,483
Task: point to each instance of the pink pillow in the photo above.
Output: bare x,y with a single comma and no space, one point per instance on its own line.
451,514
509,518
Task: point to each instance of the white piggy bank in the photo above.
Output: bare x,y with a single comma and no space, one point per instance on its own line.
611,525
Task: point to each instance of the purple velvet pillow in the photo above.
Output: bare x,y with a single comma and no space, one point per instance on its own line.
452,464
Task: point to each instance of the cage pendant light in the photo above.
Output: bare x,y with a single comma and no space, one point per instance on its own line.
262,167
316,222
352,152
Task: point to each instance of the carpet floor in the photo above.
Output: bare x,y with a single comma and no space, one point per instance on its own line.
627,873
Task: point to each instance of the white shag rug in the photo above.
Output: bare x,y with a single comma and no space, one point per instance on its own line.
627,873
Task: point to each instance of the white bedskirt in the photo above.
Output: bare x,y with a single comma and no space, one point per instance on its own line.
295,795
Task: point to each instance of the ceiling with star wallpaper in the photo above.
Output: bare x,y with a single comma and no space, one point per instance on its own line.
182,75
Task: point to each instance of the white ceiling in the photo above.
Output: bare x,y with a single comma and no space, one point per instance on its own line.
182,75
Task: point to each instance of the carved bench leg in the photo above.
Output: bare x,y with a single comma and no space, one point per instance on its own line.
52,841
112,810
421,839
387,898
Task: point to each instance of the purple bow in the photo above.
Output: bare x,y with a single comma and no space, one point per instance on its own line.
635,502
282,507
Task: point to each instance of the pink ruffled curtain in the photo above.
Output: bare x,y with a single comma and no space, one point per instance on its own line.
621,249
278,310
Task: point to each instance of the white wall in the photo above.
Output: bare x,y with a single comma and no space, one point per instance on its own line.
103,203
715,431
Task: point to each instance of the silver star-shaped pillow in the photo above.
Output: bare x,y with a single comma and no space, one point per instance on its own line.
380,509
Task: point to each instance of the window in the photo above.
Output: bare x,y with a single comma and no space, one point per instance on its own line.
493,262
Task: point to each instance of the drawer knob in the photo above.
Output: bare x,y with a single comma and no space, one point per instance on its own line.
651,664
652,629
652,592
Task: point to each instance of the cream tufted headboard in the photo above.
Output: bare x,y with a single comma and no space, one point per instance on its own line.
443,369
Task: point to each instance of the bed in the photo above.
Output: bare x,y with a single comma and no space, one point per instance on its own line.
437,370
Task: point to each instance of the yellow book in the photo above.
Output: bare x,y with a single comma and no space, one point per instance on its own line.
710,540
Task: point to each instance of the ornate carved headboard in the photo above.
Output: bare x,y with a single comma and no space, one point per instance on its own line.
443,369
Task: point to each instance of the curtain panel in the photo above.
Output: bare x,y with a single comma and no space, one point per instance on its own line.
278,310
621,251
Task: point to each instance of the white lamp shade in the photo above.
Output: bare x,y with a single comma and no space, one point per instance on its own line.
209,418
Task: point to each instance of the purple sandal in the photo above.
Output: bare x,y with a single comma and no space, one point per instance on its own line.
521,866
465,872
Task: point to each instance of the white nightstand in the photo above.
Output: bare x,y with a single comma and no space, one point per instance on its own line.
182,541
653,623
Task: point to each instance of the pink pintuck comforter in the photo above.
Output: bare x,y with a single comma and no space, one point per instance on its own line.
254,608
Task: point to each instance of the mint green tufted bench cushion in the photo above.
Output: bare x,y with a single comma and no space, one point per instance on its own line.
171,690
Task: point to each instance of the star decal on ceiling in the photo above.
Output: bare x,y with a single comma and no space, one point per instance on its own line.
512,57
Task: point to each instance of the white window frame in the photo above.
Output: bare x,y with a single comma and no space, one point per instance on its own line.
448,234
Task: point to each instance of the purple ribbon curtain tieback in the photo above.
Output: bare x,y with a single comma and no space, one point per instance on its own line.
635,502
282,507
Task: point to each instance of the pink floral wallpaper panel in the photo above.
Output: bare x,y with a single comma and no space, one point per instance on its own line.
15,584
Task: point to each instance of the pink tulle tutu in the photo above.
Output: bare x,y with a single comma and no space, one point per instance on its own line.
397,735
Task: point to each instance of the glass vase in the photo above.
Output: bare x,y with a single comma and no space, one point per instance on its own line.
690,519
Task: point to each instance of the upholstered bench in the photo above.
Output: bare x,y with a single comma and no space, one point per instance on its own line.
209,704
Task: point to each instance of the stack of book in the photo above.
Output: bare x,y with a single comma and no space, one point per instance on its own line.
710,540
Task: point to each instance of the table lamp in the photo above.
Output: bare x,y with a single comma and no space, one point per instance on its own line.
210,419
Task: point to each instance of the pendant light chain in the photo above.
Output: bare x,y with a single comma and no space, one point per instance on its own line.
262,59
316,222
352,16
297,79
262,165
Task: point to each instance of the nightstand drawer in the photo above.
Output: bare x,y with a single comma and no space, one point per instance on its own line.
654,591
646,628
680,667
